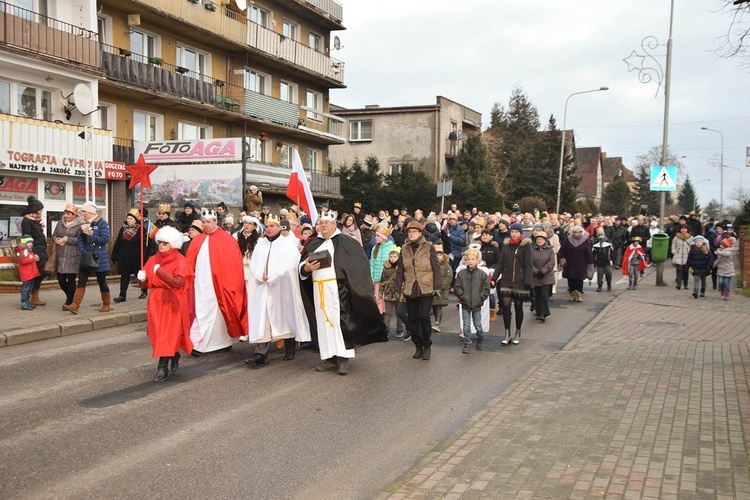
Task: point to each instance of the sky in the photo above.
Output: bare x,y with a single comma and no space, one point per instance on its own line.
407,52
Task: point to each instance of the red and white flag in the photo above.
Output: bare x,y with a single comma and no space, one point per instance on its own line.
299,190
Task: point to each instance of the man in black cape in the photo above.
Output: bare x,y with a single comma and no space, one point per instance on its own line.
339,298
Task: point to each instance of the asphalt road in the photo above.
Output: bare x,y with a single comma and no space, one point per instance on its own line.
82,418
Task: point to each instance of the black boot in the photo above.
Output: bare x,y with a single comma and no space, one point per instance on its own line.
703,292
426,353
143,294
175,362
506,340
121,298
290,345
162,372
609,286
599,288
419,352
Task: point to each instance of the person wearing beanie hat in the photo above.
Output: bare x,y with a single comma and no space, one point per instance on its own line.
169,277
512,279
26,261
577,261
419,279
67,258
725,265
32,224
187,216
228,224
431,230
127,251
700,261
92,246
379,256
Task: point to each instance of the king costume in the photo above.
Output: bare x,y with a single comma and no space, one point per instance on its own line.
219,300
339,299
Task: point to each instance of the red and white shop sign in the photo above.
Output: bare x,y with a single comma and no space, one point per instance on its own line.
189,151
114,171
17,188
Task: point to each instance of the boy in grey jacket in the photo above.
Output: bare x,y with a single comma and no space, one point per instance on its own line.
472,288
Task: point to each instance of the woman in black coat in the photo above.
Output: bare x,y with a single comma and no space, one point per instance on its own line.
512,279
576,259
126,252
33,226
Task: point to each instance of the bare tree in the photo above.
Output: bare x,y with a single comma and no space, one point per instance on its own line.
734,44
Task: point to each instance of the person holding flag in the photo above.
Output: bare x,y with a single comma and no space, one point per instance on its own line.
299,190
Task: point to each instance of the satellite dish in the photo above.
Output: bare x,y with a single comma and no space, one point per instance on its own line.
240,4
336,43
83,99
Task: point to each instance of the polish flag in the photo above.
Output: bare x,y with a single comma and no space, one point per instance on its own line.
299,190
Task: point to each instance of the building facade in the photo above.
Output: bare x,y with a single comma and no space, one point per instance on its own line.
427,137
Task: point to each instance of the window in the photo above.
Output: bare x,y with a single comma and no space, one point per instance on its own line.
314,101
257,150
144,44
145,126
193,132
360,130
288,92
107,116
256,81
104,28
194,60
395,168
290,30
286,155
5,97
33,102
314,41
259,15
313,159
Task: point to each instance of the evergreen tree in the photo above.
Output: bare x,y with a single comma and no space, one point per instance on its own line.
688,198
616,197
412,188
643,197
362,183
473,182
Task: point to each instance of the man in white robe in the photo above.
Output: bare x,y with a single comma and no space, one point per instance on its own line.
274,296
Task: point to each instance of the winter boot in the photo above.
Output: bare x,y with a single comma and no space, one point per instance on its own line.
506,340
77,299
419,352
579,296
35,298
493,315
427,353
726,294
105,302
143,294
599,288
175,362
630,284
517,337
480,343
467,348
703,292
27,306
572,296
695,293
162,372
609,286
121,298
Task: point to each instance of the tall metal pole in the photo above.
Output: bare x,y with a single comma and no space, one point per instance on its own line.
721,172
562,142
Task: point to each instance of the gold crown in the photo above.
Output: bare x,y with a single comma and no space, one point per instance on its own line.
164,207
135,213
357,204
273,218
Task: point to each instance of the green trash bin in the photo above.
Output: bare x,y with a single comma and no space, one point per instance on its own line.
659,247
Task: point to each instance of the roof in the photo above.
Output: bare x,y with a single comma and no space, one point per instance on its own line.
612,167
587,160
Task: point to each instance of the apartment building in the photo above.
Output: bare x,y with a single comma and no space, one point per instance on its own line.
425,137
230,89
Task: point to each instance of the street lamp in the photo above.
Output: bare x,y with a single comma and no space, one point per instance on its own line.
695,195
562,141
721,172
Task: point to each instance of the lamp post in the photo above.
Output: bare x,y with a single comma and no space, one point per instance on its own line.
562,141
695,196
738,170
721,172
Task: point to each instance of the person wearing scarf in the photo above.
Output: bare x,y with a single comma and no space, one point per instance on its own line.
576,259
349,228
169,276
126,252
512,279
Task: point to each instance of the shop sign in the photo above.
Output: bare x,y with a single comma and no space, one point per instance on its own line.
17,188
114,171
189,151
54,190
79,193
45,163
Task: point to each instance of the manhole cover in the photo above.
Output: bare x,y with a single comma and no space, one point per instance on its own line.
661,325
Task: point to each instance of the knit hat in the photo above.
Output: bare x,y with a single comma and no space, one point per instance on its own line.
229,220
197,225
699,238
88,207
26,239
578,229
170,235
34,205
189,205
516,226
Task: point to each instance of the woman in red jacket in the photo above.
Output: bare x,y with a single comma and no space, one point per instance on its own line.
169,277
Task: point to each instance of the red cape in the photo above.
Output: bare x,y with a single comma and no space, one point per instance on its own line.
228,278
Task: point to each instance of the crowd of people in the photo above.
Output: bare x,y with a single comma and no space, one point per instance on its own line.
338,282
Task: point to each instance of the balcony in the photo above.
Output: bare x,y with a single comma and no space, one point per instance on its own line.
222,22
272,178
29,32
452,148
330,7
280,47
152,73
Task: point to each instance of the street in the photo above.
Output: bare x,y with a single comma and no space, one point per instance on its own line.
83,419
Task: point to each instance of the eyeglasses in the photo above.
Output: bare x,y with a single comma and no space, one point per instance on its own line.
162,243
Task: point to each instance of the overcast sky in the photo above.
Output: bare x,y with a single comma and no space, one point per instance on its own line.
406,52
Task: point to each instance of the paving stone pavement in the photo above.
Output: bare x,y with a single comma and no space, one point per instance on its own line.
650,400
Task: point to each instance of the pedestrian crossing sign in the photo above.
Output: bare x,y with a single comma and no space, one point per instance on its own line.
663,178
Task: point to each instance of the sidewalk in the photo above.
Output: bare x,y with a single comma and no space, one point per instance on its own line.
49,321
650,400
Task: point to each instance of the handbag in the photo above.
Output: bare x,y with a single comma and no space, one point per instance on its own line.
89,262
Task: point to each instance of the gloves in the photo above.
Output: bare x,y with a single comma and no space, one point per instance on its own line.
141,275
436,293
539,274
156,268
527,286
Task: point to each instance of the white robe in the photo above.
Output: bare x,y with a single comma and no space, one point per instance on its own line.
275,306
209,330
327,308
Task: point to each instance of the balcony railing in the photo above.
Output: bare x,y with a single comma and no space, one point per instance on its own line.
453,147
275,177
36,33
123,150
152,73
330,7
325,184
472,117
222,21
290,50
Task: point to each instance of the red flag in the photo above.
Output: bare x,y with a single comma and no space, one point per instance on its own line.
299,190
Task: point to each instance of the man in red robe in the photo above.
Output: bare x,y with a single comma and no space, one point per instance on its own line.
219,300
